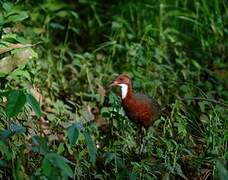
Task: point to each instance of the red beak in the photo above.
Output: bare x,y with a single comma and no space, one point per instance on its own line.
114,83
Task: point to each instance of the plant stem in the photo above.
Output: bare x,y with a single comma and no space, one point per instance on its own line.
203,99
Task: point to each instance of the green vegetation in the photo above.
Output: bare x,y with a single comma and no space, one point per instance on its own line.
63,55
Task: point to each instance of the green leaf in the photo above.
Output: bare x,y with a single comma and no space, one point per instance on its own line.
2,74
4,164
19,16
18,172
61,163
7,6
15,102
34,104
17,128
61,148
5,134
20,73
40,144
1,20
72,133
10,37
14,129
222,171
105,112
6,152
47,167
196,64
90,147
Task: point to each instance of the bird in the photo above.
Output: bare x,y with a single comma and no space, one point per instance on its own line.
139,107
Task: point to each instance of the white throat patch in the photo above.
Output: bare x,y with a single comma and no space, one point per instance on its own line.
124,90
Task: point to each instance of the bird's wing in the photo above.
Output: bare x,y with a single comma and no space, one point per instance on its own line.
147,99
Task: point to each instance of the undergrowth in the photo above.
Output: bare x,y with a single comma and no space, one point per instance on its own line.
64,54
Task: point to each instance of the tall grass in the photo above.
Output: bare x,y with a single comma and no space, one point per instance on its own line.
173,50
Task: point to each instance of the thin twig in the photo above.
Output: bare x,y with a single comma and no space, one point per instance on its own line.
204,99
16,46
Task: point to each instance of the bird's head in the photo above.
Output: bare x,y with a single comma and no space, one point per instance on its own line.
124,82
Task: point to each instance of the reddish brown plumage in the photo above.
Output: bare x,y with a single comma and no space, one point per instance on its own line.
140,108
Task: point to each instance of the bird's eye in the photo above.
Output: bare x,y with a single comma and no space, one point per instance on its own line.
121,79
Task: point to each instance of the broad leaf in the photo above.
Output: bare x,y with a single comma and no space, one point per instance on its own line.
4,164
40,144
47,167
7,6
61,163
222,171
20,16
17,128
34,104
90,146
72,133
15,102
5,134
14,129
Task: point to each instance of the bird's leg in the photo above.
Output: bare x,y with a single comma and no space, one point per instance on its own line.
141,133
146,141
141,139
138,140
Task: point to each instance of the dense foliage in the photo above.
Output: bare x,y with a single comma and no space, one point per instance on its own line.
63,54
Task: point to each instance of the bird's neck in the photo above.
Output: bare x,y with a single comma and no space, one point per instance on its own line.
126,91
